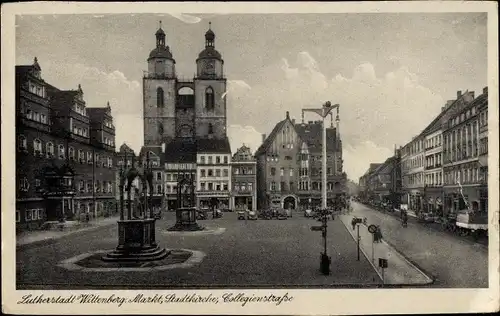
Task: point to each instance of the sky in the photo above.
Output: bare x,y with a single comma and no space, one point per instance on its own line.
390,72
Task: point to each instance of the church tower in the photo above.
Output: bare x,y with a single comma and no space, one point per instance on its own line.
159,94
210,89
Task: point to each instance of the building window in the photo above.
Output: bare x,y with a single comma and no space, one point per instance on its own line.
37,147
210,173
159,189
226,173
291,172
159,97
203,186
282,172
203,173
23,184
225,187
22,142
209,98
225,159
89,157
202,159
210,161
210,186
282,186
43,118
210,128
61,152
273,186
217,172
158,176
89,186
217,160
273,171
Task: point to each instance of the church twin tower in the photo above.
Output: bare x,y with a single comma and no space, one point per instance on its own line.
174,108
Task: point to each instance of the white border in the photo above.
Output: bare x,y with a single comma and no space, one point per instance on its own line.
305,302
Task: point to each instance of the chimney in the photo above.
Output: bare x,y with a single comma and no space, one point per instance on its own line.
459,94
287,115
485,90
263,137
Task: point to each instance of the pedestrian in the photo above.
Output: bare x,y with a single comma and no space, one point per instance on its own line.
353,223
378,235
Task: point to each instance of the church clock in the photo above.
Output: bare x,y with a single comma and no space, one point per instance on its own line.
209,67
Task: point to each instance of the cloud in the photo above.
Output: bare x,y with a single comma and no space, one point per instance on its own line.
356,157
99,87
186,18
247,135
383,109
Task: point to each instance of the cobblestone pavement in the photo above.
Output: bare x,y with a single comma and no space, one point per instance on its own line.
451,260
254,253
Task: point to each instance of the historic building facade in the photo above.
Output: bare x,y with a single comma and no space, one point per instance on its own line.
462,168
413,174
185,120
289,165
244,180
65,153
213,174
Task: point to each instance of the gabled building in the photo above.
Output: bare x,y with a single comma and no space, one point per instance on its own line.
64,163
289,166
244,180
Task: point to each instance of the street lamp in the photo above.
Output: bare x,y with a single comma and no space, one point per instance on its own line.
324,111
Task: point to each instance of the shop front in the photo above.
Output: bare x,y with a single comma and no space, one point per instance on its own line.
433,201
242,202
215,199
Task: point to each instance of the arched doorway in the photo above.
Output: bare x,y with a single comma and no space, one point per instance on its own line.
289,202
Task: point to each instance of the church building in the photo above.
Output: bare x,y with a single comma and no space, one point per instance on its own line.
182,116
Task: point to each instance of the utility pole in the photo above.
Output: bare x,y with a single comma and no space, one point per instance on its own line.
324,111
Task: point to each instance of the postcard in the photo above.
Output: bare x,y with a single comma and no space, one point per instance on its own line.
250,158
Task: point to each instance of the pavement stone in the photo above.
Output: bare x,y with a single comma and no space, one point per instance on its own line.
399,271
260,253
31,239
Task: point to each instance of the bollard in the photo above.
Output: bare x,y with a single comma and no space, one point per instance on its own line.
325,264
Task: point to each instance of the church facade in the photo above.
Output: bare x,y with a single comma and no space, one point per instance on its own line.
182,116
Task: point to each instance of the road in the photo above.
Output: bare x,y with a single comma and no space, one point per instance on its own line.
451,260
258,253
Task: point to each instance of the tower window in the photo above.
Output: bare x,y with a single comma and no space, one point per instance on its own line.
209,98
159,97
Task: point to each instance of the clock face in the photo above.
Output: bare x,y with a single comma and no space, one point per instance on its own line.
209,67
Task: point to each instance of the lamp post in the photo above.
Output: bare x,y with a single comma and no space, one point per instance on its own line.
324,111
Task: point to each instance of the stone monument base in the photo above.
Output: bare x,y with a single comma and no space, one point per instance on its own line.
136,242
186,220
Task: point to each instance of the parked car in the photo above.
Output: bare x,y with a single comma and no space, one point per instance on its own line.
202,214
281,214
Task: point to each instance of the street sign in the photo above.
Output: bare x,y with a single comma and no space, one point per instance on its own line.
358,220
372,229
382,263
317,228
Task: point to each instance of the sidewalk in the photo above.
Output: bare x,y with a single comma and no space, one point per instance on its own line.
47,236
400,270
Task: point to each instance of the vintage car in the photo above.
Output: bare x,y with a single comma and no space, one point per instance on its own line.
202,214
281,214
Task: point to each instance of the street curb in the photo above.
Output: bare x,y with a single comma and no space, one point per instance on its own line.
364,253
51,240
429,276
